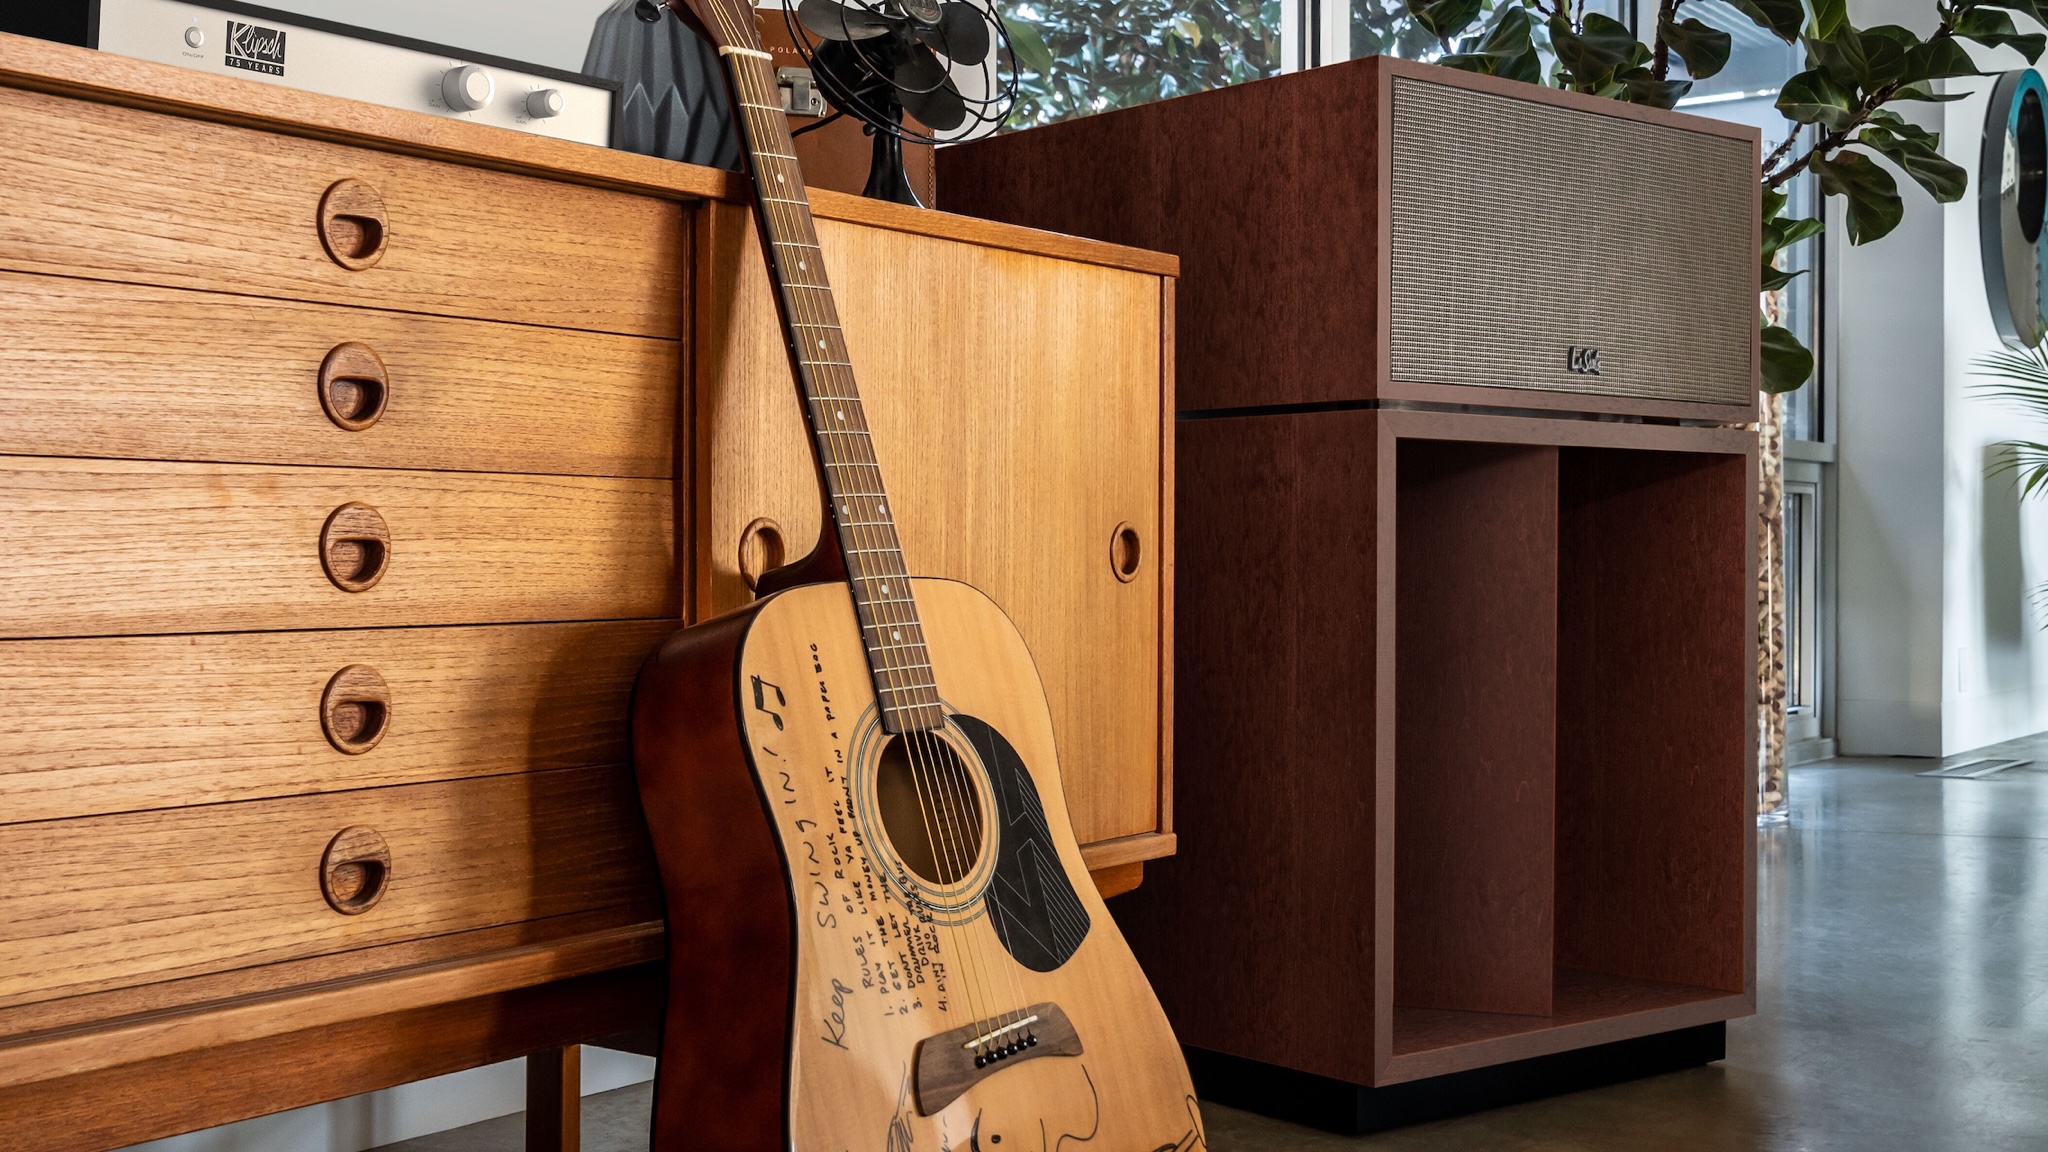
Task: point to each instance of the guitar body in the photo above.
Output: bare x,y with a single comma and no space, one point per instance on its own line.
831,969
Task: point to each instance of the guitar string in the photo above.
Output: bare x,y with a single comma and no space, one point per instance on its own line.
892,674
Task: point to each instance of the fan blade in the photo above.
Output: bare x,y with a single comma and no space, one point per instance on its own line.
938,107
961,34
839,21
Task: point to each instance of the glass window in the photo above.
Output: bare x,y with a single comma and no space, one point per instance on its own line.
1746,92
1113,55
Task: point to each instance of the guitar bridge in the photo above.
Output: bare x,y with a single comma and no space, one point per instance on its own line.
950,1063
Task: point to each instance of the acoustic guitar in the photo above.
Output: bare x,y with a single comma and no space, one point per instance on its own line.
881,933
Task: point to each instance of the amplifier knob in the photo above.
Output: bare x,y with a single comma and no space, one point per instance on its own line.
546,104
468,88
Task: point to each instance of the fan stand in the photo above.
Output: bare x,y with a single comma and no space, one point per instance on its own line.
886,178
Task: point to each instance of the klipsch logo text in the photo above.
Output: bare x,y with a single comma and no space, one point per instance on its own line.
1584,361
255,47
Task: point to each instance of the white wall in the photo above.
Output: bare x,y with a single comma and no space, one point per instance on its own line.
1939,649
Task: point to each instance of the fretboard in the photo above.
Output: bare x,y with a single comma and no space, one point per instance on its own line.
859,505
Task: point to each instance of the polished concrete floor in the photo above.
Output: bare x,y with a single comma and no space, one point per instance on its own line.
1903,974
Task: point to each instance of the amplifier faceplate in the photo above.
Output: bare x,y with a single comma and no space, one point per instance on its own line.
1543,247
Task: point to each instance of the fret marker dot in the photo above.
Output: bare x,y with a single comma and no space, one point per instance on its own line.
801,266
895,635
821,344
778,178
841,415
885,589
882,508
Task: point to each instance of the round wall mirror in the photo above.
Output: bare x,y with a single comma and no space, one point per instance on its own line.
2012,193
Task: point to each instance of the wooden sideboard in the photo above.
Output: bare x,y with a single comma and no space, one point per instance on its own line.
351,460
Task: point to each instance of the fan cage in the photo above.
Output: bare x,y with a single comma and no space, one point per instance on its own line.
876,104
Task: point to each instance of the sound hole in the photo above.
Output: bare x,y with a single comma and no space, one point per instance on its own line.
2031,157
929,807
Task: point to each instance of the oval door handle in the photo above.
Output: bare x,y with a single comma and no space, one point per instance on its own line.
353,225
761,550
354,386
355,870
355,547
1126,552
355,710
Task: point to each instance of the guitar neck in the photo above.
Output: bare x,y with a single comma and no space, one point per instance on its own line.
858,504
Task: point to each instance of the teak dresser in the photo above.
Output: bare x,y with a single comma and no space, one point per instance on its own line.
350,462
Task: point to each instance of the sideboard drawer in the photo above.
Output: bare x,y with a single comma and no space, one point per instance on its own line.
93,368
120,194
114,901
126,723
99,547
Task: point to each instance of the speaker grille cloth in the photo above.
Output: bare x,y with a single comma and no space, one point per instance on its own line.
1522,230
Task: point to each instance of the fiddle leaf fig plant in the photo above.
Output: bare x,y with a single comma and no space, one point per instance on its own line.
1842,105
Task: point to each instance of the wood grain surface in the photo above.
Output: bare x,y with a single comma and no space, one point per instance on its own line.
118,194
1019,395
1475,737
208,1085
116,547
91,368
121,724
1656,753
1280,245
1274,789
111,901
605,937
39,66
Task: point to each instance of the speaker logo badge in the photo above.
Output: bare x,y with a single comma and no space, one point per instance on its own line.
1584,361
254,47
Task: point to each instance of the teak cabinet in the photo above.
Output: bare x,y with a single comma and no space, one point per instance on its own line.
350,463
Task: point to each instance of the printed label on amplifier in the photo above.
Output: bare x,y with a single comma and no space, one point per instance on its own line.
254,47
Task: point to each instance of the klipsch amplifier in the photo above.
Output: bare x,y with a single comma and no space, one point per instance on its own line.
1385,230
229,38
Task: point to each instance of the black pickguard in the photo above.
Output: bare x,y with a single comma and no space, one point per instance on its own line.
1034,910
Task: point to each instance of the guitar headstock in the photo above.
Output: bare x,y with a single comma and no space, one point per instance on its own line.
725,23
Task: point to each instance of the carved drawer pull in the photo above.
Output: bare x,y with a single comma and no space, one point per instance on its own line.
355,870
355,547
1125,553
761,550
355,711
354,386
353,226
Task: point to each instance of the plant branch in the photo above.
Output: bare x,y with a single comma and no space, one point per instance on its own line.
1836,138
1660,62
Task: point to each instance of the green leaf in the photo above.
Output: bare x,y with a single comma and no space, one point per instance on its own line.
1596,51
1641,86
1774,203
1938,60
1776,278
1813,97
1782,234
1874,206
1189,30
1508,49
1787,363
1028,46
1918,158
1446,19
1994,29
1780,17
1900,126
1704,50
1922,90
1829,17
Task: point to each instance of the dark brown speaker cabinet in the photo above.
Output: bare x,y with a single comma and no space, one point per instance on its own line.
1464,711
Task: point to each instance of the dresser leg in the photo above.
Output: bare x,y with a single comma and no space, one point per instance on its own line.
554,1100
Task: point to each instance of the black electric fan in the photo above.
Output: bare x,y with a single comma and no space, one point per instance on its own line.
945,62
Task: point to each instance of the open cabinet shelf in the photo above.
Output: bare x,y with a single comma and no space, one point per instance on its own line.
1465,711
